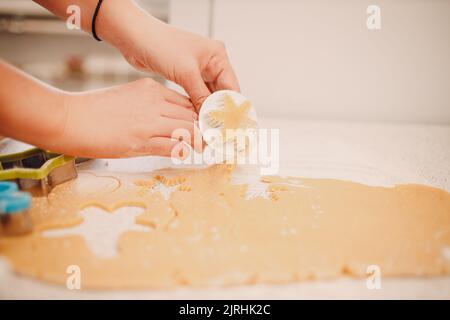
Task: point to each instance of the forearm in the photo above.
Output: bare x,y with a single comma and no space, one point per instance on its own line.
114,23
30,111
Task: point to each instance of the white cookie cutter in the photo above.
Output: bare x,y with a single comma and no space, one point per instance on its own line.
215,102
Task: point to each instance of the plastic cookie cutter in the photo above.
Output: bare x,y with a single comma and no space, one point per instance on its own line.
228,113
14,205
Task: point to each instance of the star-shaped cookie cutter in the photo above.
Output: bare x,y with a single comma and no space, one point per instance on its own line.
37,171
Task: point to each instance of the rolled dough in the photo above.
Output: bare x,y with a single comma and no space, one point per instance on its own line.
206,232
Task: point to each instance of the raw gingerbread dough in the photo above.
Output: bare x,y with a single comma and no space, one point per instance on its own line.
207,232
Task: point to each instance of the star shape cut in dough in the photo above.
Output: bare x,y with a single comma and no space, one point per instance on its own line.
102,229
162,184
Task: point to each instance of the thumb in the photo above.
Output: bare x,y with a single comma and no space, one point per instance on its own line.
227,80
196,89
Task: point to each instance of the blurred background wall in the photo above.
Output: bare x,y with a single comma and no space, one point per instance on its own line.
316,59
305,59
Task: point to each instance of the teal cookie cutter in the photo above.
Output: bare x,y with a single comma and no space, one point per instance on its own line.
12,200
14,216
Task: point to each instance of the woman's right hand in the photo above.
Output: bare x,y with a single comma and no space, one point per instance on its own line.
199,64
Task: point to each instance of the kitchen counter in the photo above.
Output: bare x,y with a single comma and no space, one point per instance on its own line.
369,153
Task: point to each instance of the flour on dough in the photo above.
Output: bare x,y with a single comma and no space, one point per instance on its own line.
207,231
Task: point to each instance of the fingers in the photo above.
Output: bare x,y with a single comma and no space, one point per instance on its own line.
174,111
167,147
219,73
226,79
216,75
222,78
174,97
196,88
176,128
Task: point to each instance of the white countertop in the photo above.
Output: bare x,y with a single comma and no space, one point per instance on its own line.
370,153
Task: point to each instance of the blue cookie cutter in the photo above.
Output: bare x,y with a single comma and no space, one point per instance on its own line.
14,205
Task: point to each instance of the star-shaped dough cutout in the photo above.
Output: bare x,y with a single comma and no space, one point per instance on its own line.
162,184
102,229
231,116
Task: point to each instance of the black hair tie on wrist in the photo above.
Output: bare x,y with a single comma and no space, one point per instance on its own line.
94,18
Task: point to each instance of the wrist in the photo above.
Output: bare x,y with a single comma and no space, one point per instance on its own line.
52,129
118,21
131,30
45,133
70,125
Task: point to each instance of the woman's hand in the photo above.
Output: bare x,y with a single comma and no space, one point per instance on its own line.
137,118
198,64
